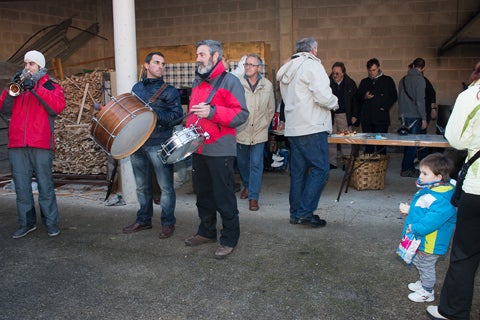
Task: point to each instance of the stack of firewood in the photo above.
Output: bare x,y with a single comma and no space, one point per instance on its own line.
76,153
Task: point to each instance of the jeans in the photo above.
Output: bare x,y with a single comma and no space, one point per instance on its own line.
145,162
409,153
309,168
213,183
250,165
24,162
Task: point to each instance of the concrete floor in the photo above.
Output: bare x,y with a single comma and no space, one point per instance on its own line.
347,270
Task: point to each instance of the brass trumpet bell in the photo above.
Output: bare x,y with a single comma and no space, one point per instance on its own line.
15,87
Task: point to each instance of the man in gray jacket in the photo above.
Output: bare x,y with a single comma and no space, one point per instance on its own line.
308,98
411,108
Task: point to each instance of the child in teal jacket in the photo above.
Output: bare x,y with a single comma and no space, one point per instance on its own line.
431,218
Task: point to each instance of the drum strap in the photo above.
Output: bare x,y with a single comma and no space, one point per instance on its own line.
158,93
217,84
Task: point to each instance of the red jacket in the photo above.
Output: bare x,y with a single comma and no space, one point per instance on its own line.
31,123
229,110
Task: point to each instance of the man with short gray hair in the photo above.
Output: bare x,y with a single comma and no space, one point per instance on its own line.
308,98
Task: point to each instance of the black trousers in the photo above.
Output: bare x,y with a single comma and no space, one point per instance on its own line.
375,128
213,179
457,290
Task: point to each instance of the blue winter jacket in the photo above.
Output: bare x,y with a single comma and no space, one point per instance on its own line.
167,107
433,218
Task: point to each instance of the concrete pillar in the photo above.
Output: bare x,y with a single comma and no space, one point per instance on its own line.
125,43
286,44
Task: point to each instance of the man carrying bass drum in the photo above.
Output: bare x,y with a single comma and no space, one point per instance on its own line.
168,108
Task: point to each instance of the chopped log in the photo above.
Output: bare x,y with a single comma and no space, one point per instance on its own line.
83,103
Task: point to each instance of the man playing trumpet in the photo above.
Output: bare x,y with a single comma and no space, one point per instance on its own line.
33,101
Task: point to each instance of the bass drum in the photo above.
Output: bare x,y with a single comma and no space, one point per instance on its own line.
182,144
123,126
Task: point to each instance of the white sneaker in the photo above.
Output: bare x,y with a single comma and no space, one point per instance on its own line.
276,164
276,157
433,312
422,296
415,286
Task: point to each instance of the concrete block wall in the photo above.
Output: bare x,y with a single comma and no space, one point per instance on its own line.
183,22
351,31
395,32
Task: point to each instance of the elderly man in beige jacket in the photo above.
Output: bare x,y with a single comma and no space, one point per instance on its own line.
253,134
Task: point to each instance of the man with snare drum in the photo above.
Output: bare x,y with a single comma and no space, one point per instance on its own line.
218,113
167,106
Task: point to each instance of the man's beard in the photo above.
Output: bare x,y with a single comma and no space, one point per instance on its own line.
201,69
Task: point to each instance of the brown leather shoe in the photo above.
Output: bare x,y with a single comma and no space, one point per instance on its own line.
253,205
167,232
197,240
223,251
244,194
237,186
136,227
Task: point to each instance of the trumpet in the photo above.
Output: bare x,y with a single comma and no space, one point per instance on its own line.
15,87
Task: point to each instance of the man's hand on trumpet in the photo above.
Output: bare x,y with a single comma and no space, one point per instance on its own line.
28,84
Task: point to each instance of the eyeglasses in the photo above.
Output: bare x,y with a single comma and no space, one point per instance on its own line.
249,65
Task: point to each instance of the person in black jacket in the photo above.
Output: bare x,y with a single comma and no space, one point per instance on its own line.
376,94
168,108
346,116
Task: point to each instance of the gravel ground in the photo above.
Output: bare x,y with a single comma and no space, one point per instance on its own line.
346,270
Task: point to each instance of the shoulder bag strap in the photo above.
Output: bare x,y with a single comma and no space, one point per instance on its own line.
473,159
405,89
462,174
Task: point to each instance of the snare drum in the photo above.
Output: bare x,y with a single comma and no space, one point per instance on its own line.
182,144
122,126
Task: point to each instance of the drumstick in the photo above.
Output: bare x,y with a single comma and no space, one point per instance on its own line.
177,121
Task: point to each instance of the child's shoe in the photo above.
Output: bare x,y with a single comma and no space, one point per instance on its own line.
422,295
415,286
276,157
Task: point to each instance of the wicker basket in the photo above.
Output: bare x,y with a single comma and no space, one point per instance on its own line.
370,171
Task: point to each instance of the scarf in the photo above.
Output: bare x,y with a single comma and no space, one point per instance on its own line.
429,185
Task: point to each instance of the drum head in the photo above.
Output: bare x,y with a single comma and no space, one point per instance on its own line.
183,151
133,135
